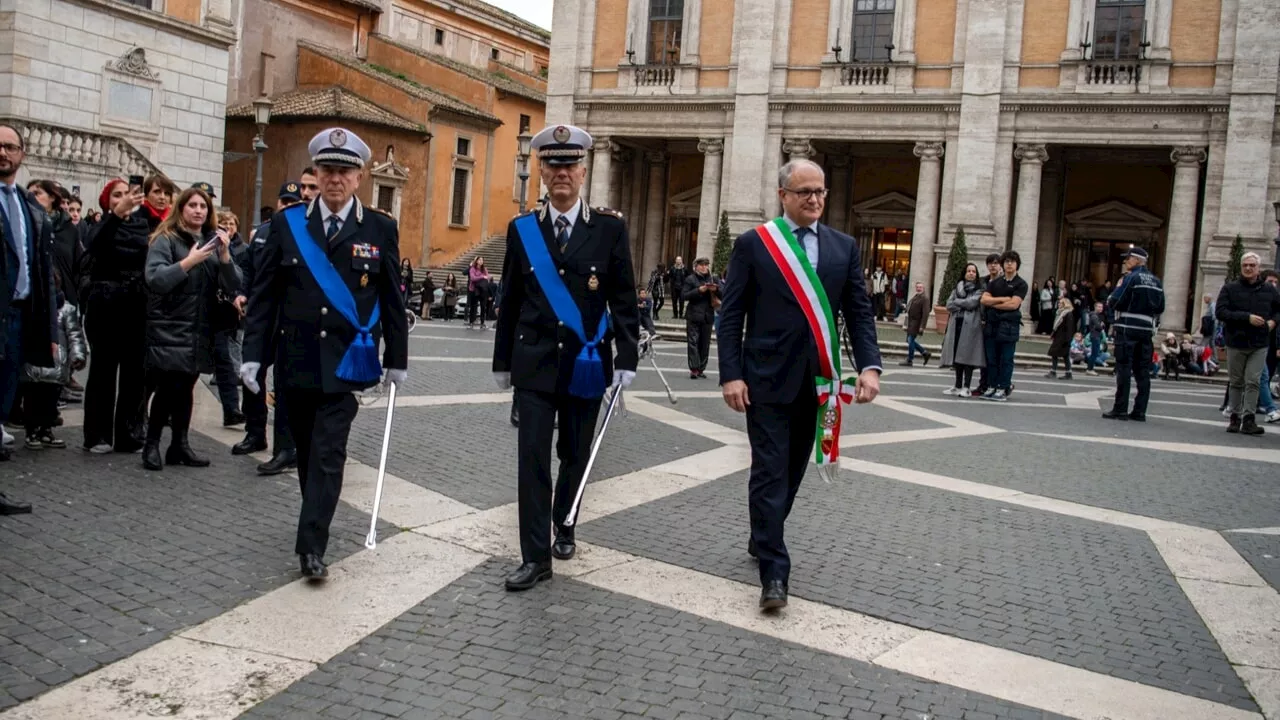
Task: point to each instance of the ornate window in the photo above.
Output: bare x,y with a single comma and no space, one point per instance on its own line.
873,29
1119,29
666,30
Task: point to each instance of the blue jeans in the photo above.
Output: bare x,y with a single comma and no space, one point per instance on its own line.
1095,350
1266,404
913,347
1003,378
11,363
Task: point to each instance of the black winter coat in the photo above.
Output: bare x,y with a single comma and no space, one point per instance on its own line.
180,305
117,249
1236,302
66,255
698,307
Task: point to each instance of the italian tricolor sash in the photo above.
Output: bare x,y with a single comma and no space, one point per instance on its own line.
831,389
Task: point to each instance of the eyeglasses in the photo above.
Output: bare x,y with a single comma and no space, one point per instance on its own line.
806,193
10,148
1253,264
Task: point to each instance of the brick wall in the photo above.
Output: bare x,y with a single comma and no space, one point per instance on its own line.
611,35
1193,37
1044,37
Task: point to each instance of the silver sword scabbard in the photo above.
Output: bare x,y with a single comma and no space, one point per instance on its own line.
572,518
371,540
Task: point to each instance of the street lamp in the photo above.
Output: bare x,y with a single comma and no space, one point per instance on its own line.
524,141
261,117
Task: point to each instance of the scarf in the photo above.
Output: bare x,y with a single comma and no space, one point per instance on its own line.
1060,317
157,215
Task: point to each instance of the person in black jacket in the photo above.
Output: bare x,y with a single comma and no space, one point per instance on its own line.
226,321
188,262
676,275
699,293
1137,303
1249,309
66,239
115,320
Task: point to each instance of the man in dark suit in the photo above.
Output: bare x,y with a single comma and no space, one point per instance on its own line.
568,293
699,292
771,374
327,289
28,317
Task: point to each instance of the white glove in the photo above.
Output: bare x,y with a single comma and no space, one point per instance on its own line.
395,376
623,378
503,379
249,376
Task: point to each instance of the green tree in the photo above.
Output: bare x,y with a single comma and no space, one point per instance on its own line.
723,248
1237,254
957,259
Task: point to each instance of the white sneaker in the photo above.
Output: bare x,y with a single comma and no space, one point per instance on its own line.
101,449
951,391
1226,412
999,396
1273,416
965,392
8,439
1092,372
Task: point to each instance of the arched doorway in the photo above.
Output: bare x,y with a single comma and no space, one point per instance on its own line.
883,228
1098,236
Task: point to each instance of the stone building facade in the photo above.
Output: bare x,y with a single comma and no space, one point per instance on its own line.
1064,129
106,88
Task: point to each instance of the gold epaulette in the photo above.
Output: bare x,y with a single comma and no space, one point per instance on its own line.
610,211
380,211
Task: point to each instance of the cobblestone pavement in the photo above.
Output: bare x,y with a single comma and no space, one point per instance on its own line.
973,561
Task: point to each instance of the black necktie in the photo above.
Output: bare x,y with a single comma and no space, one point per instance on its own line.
333,228
562,233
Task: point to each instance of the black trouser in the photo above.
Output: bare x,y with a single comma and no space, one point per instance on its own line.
224,371
658,302
116,329
699,336
677,302
171,405
539,508
475,306
1133,350
987,373
964,375
878,300
321,423
40,405
255,413
782,438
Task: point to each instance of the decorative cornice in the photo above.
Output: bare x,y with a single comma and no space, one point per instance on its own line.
220,35
1031,154
929,150
1188,155
1137,108
798,148
711,146
134,62
842,106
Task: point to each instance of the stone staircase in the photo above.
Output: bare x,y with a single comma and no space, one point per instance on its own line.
492,250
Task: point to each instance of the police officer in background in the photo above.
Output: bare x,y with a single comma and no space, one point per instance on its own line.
569,290
1136,303
326,290
285,455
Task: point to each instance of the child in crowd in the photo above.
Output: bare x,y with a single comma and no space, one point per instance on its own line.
42,386
1077,348
646,311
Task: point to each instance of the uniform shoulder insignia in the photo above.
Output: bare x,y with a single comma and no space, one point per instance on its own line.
380,211
609,211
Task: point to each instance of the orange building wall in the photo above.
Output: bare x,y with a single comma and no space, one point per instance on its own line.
604,80
611,34
288,156
713,79
446,241
804,78
432,74
808,32
1193,37
185,10
503,203
1044,32
476,31
315,71
935,37
716,34
275,27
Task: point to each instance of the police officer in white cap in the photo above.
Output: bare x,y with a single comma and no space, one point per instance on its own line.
568,297
327,290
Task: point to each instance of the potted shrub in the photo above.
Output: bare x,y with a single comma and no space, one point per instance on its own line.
956,261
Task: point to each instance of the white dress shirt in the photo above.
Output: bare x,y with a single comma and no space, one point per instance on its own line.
343,214
572,216
810,240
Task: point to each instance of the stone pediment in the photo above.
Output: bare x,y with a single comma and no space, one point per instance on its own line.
389,169
1115,214
892,209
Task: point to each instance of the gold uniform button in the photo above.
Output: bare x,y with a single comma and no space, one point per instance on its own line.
324,311
562,271
593,269
561,323
324,334
294,261
366,266
560,345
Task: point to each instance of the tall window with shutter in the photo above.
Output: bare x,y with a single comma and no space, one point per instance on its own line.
666,28
873,29
1118,29
461,189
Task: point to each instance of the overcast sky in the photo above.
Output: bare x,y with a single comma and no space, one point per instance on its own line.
535,11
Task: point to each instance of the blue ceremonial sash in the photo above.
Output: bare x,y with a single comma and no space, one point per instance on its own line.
360,363
588,369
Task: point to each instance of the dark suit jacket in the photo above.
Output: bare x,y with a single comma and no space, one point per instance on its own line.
287,303
40,322
778,357
530,343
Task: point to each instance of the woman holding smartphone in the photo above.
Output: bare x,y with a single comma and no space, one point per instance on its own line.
188,262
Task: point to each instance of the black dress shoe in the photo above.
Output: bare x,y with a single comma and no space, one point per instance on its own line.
751,548
282,461
528,575
13,507
180,453
563,548
774,595
151,457
313,568
4,454
515,417
1116,415
128,446
1138,417
232,419
249,445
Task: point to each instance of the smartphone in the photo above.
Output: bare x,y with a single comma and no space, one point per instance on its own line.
135,181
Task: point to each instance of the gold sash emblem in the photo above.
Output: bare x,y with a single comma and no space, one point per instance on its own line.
593,283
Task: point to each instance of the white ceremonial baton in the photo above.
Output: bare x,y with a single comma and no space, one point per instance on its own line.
616,400
371,541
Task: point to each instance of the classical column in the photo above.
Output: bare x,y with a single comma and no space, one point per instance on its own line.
1181,236
601,171
712,150
797,148
1026,214
839,185
618,177
655,213
925,232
